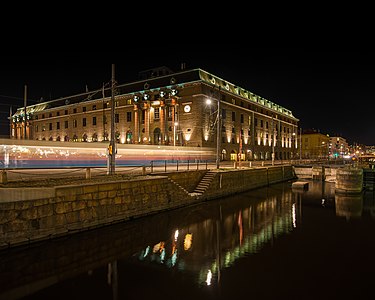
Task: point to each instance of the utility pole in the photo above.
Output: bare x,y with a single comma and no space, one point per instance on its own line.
300,143
112,144
25,105
10,125
273,143
218,133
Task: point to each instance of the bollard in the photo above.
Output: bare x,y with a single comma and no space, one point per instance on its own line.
250,165
262,163
3,177
143,170
88,173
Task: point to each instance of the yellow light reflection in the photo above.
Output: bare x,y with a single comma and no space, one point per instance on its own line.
188,241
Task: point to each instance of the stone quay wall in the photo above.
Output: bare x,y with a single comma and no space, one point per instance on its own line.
72,208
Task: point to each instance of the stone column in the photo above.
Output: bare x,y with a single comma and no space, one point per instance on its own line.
162,121
136,125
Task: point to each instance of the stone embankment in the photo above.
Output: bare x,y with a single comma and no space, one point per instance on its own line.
36,211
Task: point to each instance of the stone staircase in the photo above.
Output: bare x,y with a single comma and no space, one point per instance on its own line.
204,183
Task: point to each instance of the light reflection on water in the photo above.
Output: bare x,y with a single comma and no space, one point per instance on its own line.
267,243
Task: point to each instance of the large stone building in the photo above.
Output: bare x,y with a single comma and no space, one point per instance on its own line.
168,108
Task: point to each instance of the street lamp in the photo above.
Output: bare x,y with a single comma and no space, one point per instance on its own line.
112,144
300,143
174,133
218,128
218,133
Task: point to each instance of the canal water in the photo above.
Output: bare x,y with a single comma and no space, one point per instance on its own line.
270,243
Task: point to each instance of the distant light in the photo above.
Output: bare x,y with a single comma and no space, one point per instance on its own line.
208,101
209,277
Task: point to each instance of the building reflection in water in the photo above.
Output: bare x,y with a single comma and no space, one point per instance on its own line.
349,206
200,242
206,247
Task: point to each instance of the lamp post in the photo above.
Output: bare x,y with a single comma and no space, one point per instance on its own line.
273,143
174,133
218,133
112,145
218,128
300,143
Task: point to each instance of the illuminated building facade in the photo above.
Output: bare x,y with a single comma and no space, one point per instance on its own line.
315,145
176,109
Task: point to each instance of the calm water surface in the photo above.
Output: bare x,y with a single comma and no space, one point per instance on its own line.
270,243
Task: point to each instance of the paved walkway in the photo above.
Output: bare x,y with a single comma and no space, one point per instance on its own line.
48,177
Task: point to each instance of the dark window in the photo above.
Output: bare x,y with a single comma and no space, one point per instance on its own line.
233,116
66,124
50,126
93,120
57,125
84,108
223,113
117,118
129,116
84,122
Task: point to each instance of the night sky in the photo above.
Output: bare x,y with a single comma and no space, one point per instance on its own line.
329,91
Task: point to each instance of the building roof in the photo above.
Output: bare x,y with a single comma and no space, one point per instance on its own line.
172,80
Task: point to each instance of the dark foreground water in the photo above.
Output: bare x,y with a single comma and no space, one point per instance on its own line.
270,243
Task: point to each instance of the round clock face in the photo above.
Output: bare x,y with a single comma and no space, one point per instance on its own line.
187,108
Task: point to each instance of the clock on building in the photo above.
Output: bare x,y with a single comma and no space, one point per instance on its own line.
187,108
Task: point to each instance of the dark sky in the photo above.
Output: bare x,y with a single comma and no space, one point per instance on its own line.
331,91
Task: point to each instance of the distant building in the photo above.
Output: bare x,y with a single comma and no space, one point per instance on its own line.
338,147
166,108
315,145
